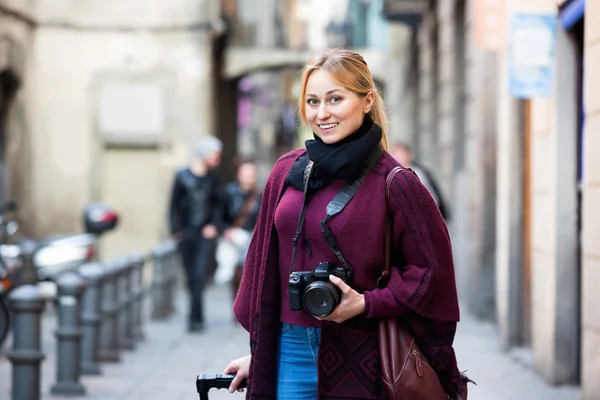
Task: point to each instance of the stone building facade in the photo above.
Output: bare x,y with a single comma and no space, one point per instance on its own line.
17,26
590,215
114,95
522,175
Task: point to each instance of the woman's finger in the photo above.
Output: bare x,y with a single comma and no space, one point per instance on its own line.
340,283
228,370
235,383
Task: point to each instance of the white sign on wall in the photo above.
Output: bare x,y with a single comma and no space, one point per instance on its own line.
532,40
130,110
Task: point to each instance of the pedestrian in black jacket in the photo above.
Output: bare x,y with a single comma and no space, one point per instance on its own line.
403,153
194,215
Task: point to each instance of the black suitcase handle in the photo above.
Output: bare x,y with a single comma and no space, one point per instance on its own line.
205,382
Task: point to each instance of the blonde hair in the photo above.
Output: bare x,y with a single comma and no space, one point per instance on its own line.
350,69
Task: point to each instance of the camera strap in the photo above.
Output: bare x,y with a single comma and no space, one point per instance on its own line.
307,172
335,206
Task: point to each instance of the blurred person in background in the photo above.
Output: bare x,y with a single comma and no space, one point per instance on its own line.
403,153
297,354
241,202
194,214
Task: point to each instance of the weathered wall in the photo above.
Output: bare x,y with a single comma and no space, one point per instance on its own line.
456,140
124,15
16,39
71,70
80,51
590,213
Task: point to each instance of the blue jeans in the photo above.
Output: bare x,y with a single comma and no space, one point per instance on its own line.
297,352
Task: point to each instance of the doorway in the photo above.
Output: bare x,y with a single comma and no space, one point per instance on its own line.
8,88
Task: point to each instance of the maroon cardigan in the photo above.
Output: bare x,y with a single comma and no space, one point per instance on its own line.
422,281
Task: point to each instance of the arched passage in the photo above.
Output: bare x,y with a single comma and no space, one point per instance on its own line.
15,160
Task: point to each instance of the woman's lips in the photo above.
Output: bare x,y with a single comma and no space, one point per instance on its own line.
328,127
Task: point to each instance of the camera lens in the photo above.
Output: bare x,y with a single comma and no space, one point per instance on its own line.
321,298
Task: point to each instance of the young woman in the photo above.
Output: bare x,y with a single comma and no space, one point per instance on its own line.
241,201
295,355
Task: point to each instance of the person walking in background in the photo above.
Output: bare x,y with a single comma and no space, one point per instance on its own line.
403,153
241,203
194,214
325,345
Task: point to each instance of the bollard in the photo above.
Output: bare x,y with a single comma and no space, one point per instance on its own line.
123,298
70,287
137,293
108,343
130,306
159,283
92,274
27,304
131,300
174,268
29,274
170,265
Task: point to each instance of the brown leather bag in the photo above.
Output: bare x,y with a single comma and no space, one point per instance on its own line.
405,371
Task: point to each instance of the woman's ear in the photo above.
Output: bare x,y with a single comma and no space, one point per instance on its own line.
369,101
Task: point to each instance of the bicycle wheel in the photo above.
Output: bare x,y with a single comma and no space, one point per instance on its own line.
4,320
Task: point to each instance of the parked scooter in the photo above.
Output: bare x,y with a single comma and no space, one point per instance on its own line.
62,253
53,256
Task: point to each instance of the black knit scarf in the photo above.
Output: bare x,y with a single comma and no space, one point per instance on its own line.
342,160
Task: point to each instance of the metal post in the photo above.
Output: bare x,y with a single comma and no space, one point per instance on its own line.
29,275
109,349
167,264
93,275
70,287
123,298
159,283
138,261
27,304
130,290
172,265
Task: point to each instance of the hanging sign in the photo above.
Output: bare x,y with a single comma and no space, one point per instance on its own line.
489,23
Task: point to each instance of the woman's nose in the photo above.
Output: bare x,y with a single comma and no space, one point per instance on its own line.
323,112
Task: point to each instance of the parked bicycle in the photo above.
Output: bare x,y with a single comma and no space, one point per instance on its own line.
10,266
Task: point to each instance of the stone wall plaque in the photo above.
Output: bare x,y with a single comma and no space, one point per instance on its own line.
131,113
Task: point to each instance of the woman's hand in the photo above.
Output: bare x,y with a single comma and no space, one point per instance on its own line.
241,369
351,305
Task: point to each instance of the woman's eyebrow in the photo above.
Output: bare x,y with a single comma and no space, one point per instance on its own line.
326,94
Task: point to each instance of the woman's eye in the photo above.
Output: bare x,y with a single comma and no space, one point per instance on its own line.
336,99
312,102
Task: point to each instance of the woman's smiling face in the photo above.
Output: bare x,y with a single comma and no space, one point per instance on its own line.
332,111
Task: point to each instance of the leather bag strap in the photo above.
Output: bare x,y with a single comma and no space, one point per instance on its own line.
385,275
242,217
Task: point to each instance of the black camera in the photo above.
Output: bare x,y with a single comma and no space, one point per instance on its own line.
314,292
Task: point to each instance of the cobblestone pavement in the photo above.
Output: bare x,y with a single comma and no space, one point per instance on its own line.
164,366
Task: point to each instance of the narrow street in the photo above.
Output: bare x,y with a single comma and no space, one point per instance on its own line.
164,366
